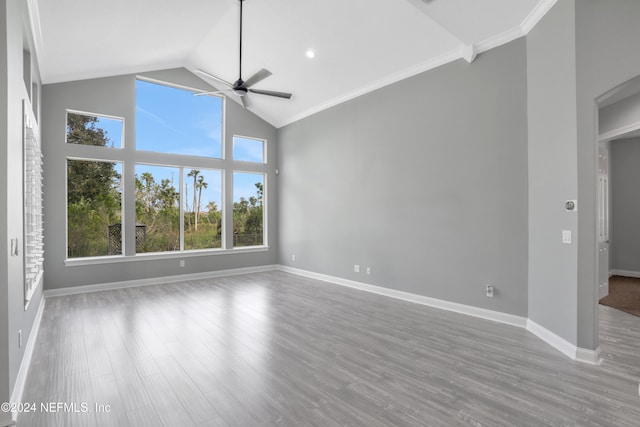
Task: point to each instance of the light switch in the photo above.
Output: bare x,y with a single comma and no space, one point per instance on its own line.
566,237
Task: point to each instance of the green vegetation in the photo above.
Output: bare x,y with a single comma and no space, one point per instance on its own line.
248,219
95,198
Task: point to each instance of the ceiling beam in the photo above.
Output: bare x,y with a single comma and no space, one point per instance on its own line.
467,50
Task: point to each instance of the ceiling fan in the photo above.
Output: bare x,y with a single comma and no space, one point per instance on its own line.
241,87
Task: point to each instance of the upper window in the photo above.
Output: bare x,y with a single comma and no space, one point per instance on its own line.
172,120
248,149
100,131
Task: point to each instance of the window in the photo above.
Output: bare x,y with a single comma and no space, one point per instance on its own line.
94,207
166,190
172,120
248,214
248,149
157,209
202,209
86,129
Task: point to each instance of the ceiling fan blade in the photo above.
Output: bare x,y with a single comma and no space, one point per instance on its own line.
271,93
260,75
215,92
211,77
245,101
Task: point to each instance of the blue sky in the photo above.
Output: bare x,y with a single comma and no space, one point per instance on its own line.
248,149
113,130
172,120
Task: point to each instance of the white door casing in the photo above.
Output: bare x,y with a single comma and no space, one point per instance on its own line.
603,220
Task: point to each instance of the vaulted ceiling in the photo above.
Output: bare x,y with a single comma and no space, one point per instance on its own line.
359,45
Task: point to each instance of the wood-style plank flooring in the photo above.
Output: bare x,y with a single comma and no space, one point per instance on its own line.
273,349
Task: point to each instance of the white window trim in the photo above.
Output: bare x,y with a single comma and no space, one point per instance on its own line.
75,262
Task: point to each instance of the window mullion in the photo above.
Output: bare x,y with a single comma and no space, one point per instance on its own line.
181,203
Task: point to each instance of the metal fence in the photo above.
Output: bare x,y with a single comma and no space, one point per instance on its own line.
247,239
115,238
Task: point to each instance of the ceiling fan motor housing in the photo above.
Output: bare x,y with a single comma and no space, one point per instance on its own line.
240,91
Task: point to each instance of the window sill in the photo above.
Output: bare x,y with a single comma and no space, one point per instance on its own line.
75,262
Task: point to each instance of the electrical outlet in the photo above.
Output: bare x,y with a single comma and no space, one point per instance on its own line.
356,268
19,338
14,247
181,263
368,270
293,257
489,290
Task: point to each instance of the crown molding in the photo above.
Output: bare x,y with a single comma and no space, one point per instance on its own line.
536,15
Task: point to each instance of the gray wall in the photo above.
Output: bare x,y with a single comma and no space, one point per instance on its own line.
116,96
625,205
425,181
13,316
551,81
607,35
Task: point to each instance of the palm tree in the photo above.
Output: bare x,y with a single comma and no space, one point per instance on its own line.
148,180
194,173
201,184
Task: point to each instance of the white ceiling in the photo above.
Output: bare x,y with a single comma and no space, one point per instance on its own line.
360,45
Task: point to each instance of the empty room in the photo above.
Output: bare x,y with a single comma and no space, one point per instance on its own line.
319,213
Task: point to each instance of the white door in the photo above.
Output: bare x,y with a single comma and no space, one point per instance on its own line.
603,220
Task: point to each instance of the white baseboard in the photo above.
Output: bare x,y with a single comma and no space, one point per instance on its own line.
21,380
591,357
565,347
496,316
578,354
625,273
156,281
554,340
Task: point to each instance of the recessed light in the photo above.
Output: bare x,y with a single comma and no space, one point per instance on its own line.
311,54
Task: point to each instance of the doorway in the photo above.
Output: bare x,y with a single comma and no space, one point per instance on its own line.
618,207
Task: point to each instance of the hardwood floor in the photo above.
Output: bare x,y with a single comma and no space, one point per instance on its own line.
276,349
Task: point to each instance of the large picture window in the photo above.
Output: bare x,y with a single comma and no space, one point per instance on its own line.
163,192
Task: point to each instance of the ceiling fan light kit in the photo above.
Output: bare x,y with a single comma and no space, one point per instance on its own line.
240,87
